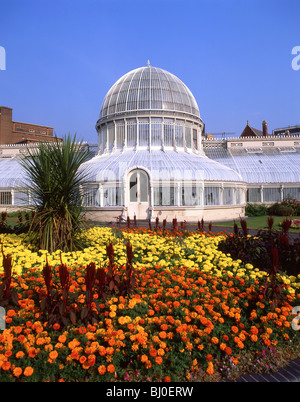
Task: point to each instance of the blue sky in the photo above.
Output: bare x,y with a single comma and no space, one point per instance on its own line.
235,56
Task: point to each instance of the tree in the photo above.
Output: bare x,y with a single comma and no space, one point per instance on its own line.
55,182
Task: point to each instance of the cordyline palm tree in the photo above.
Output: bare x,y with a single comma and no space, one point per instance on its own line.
55,182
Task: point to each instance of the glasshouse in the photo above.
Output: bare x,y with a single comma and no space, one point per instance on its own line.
150,158
153,159
269,166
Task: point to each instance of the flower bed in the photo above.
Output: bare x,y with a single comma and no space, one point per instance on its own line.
191,313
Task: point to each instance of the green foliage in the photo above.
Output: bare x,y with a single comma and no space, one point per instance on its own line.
55,182
256,210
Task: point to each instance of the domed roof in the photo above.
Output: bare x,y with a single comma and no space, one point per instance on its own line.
149,88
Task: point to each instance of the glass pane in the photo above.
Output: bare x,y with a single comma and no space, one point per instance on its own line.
188,139
168,133
131,133
120,135
211,195
179,133
227,196
133,187
271,194
5,198
144,133
195,140
291,193
156,131
143,187
253,195
190,195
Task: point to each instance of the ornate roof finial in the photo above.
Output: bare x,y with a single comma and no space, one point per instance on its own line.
148,63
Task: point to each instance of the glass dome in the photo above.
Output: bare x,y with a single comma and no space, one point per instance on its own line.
149,88
149,108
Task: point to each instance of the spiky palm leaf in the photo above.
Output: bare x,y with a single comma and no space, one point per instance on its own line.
55,181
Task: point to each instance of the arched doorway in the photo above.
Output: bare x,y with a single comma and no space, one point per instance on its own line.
138,194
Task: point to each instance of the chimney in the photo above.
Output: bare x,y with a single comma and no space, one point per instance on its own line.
265,128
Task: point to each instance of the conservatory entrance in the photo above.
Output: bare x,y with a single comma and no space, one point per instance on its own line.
138,194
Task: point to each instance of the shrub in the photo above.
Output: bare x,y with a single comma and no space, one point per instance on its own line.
256,210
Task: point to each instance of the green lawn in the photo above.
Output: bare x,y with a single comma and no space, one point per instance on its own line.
260,222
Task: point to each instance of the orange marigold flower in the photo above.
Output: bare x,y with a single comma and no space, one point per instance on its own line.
234,329
82,359
162,334
111,342
254,330
53,355
28,371
254,338
6,366
56,326
10,313
110,368
153,352
21,338
267,342
17,371
109,350
158,360
62,339
20,354
81,330
18,330
102,369
215,340
91,359
210,368
32,352
148,364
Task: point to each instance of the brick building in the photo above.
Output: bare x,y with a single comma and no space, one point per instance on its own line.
14,132
254,132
